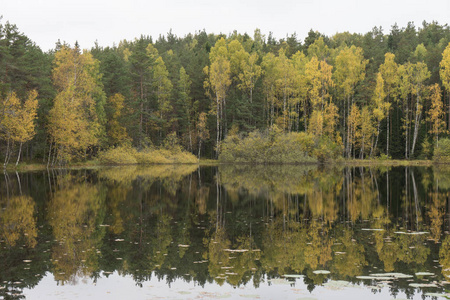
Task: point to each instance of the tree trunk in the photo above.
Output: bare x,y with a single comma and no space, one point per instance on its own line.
18,156
376,140
417,119
387,135
6,155
49,154
218,127
10,151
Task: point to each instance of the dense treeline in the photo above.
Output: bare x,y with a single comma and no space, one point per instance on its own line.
367,94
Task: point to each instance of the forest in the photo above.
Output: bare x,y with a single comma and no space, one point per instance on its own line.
233,97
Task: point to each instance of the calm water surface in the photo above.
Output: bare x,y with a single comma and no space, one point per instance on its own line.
183,232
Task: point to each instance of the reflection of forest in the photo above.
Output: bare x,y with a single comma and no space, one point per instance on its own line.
227,224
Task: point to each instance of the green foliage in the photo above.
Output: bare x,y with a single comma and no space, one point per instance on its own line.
442,151
384,157
326,150
427,150
269,147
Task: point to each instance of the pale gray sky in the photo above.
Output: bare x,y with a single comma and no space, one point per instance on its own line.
109,21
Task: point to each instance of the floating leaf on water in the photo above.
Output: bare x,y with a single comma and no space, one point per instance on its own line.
424,274
321,272
422,285
293,276
412,233
437,295
373,278
393,275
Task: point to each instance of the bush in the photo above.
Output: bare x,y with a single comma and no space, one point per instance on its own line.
326,150
271,146
118,156
442,151
383,157
127,155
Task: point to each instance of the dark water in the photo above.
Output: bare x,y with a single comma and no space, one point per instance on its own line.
179,232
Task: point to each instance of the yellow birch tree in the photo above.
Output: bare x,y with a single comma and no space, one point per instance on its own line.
18,123
444,72
218,79
76,121
436,112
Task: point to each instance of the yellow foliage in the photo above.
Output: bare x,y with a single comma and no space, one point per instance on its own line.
445,68
18,121
116,132
74,122
436,112
128,155
17,220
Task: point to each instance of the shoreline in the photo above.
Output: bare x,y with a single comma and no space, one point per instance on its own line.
26,167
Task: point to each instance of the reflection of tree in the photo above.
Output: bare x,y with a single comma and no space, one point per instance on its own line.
284,250
436,212
237,225
361,193
262,179
160,241
74,213
350,258
318,248
17,220
405,248
117,195
218,259
444,256
170,174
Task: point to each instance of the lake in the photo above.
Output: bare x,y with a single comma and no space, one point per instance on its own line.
237,232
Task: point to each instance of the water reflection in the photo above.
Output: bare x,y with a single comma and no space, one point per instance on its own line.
232,225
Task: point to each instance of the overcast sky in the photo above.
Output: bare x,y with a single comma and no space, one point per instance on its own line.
110,21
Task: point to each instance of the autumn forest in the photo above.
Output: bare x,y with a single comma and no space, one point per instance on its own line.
382,94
